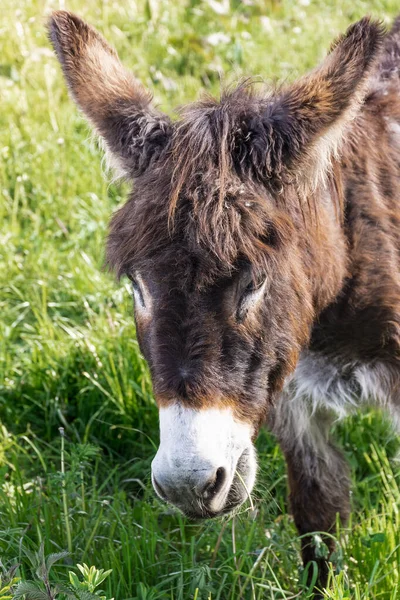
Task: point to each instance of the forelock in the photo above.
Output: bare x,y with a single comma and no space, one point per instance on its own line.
204,195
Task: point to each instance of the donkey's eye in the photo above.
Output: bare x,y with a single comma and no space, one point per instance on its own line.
137,291
250,297
252,286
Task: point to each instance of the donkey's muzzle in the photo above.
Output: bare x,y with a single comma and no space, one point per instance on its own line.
197,493
205,464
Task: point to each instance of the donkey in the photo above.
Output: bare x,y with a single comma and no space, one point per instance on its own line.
261,239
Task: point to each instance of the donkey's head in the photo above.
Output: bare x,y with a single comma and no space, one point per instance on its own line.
228,239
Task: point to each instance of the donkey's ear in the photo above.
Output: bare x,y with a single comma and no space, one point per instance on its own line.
300,127
116,104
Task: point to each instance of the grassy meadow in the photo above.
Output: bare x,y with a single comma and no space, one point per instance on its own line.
78,424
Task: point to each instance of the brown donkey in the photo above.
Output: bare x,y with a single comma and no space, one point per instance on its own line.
261,238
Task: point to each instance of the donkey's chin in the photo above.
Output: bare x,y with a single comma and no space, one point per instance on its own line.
229,499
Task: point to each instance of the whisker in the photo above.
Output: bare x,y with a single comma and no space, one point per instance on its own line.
246,488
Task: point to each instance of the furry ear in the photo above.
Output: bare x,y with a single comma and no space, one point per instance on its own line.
116,104
296,131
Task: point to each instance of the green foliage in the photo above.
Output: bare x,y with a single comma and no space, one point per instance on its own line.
68,353
8,581
92,578
42,588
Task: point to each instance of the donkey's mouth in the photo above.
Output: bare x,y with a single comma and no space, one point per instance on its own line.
243,481
242,484
236,494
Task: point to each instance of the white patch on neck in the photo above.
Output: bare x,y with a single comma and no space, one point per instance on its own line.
321,390
323,383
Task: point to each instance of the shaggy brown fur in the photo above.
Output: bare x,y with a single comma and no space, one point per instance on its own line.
294,189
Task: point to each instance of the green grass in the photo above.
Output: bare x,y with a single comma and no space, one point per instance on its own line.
68,353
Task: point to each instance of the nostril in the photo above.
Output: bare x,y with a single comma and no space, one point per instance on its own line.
215,484
220,477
